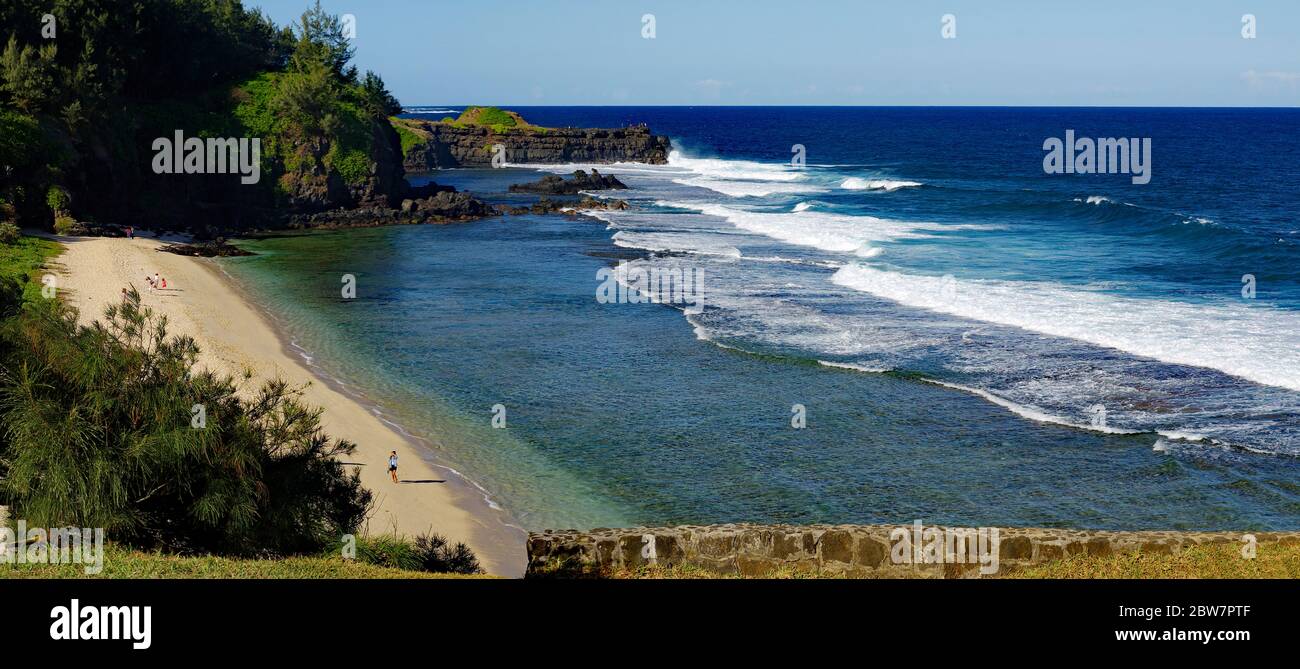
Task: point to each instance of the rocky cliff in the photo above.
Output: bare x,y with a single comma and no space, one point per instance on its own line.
443,145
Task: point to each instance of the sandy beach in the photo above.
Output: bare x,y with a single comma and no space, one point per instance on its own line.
203,303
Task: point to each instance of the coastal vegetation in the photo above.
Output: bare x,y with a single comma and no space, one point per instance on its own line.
122,562
112,424
497,119
20,263
78,114
109,425
414,134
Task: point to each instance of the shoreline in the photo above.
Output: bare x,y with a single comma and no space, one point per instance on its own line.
235,332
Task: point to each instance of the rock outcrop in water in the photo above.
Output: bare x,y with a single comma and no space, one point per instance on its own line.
553,184
546,205
430,203
439,145
216,248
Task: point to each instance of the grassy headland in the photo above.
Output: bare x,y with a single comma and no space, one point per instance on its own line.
412,132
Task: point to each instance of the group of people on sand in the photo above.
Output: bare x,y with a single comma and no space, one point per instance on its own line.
155,282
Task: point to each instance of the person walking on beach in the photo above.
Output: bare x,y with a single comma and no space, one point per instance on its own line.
392,466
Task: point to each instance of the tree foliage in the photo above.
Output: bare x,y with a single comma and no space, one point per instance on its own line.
125,73
377,98
107,425
27,74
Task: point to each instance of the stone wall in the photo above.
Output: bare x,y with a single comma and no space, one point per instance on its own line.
843,550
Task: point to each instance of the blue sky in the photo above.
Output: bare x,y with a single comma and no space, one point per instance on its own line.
826,52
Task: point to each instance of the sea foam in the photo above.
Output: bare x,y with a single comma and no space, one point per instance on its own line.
1250,342
857,183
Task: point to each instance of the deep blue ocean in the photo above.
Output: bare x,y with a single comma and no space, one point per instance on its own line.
969,339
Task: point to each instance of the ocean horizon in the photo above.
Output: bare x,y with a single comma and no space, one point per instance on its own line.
963,337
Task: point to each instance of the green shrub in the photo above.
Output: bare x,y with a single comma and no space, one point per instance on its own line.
101,431
67,225
428,552
21,262
9,233
353,166
388,551
58,199
409,139
436,556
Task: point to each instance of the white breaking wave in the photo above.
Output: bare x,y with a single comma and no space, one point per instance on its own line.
735,188
734,169
837,233
828,232
671,241
1260,344
856,368
1030,412
856,183
607,169
802,206
1101,199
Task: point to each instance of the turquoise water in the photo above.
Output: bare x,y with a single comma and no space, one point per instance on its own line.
948,325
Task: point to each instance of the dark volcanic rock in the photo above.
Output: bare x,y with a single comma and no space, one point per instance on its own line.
311,186
217,248
447,204
446,145
546,205
444,207
553,184
427,190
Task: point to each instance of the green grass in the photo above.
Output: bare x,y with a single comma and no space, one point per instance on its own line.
492,116
1281,561
499,121
123,563
24,259
1207,561
410,138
